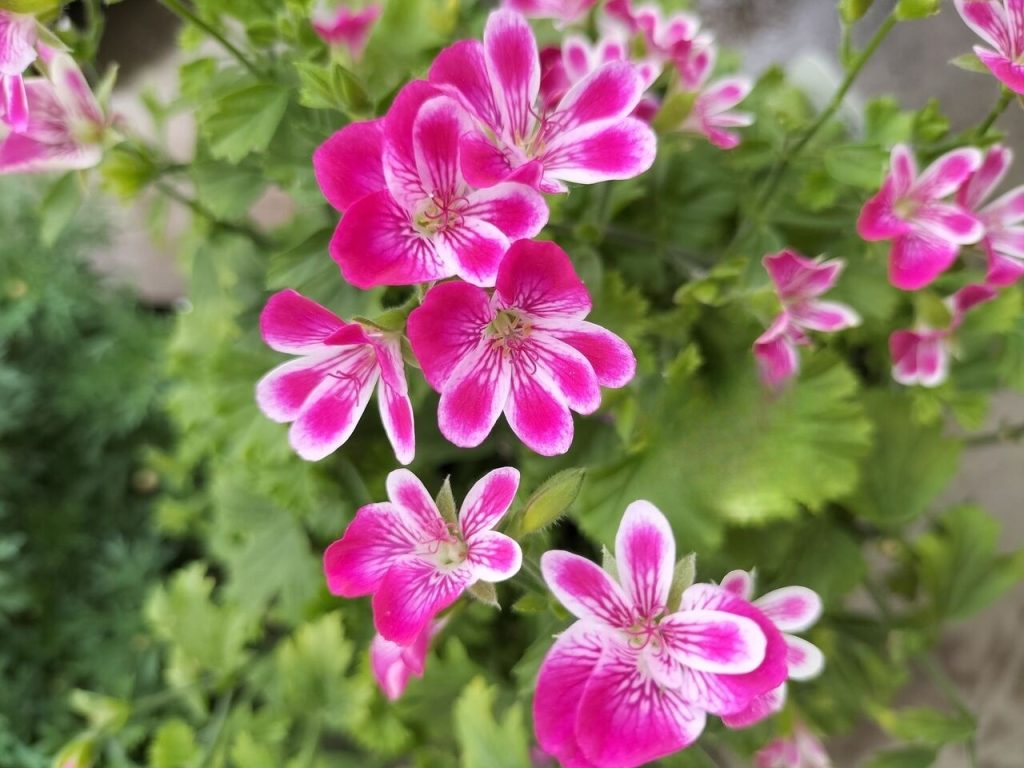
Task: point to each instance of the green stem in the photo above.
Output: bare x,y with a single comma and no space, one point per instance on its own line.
355,481
1005,434
533,570
182,11
1004,101
217,728
200,210
949,689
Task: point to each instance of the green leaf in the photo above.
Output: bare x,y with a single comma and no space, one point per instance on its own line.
173,746
908,10
126,172
970,62
59,206
485,592
552,500
243,119
908,467
857,165
104,713
684,575
446,502
227,191
910,757
926,726
483,738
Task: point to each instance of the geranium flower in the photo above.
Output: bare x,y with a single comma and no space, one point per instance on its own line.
393,664
426,222
922,356
1000,23
711,115
325,391
564,11
589,137
346,27
413,561
801,749
612,691
799,282
563,67
1002,218
926,231
526,351
17,52
790,609
65,127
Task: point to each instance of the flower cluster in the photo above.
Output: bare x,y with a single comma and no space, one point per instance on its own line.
1000,23
53,122
634,678
344,28
929,217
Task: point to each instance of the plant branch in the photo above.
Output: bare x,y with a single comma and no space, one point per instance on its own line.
182,11
1010,433
1004,101
200,210
949,689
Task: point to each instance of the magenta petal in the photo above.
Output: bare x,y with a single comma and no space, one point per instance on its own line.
473,396
474,248
804,660
330,414
411,594
493,556
760,707
777,358
610,92
538,277
483,163
348,165
396,415
401,171
538,412
461,70
15,102
376,244
488,500
585,589
1003,270
379,536
993,168
988,20
566,369
292,323
619,149
949,222
791,609
446,328
515,209
740,583
714,641
945,175
439,124
878,219
825,316
405,490
282,392
1006,70
611,358
797,277
514,68
902,170
393,664
626,719
915,260
919,358
645,553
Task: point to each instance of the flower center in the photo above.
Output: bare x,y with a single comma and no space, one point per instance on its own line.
438,213
445,547
644,633
508,330
905,208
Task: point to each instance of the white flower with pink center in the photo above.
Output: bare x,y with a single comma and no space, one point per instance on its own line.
416,563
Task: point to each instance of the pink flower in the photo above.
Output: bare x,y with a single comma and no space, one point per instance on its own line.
562,68
565,11
345,27
926,231
325,391
1002,218
17,52
393,664
711,116
525,351
630,681
801,749
922,356
65,126
799,282
413,561
587,138
1000,23
790,609
410,216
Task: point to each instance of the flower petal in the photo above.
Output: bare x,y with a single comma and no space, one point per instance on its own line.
1006,70
714,641
393,664
488,500
15,102
645,552
483,163
878,219
396,416
988,20
568,370
1003,270
725,94
614,149
461,70
538,277
915,260
610,92
493,556
740,583
982,183
537,411
513,64
585,589
825,316
332,410
777,358
411,594
348,166
945,175
949,222
473,396
515,209
446,328
611,358
282,392
292,323
760,707
797,277
475,249
401,171
439,124
804,660
380,536
902,169
791,609
407,491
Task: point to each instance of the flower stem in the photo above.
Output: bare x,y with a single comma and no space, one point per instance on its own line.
199,210
1004,101
1004,434
182,11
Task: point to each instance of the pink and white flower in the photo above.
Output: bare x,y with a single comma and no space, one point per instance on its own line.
563,11
563,67
410,215
393,664
631,679
799,282
790,609
1002,218
712,115
65,126
344,27
416,563
911,210
801,749
526,351
17,53
326,389
1000,23
587,138
922,356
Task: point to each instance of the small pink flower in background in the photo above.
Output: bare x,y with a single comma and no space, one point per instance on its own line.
410,216
587,138
393,664
790,609
563,11
801,749
525,351
413,561
712,115
1000,23
912,211
325,391
617,689
345,27
1002,218
562,68
923,356
799,282
65,128
17,53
